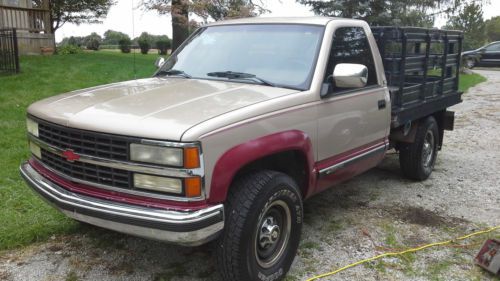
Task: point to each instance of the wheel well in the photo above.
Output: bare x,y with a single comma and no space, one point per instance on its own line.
397,134
292,163
440,119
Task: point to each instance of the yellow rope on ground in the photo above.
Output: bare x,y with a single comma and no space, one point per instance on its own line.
403,252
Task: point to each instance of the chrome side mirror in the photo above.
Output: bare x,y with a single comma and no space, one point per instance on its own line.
350,75
159,62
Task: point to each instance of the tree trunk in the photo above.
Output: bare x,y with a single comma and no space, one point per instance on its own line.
180,22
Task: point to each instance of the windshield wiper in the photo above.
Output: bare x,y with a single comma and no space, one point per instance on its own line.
173,72
242,76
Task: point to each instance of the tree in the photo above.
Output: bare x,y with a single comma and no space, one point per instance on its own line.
93,41
73,40
493,29
145,42
124,45
163,43
179,11
76,11
112,37
206,9
216,10
469,19
384,12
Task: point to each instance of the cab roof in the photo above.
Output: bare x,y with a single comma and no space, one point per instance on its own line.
277,20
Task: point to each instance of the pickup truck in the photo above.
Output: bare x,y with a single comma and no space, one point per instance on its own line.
243,122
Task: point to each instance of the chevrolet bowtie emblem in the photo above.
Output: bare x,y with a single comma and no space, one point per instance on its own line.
70,155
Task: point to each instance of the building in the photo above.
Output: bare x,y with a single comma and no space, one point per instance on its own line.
32,22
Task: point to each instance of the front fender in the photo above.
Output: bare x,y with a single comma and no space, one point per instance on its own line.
239,156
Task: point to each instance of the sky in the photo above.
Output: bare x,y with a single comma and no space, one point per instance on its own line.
127,17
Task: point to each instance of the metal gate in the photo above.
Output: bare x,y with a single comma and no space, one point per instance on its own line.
9,53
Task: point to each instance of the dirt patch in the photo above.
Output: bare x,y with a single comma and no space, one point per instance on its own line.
4,275
424,217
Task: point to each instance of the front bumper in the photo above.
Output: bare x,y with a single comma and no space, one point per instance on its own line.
190,228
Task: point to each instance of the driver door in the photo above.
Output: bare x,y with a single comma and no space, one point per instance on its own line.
353,123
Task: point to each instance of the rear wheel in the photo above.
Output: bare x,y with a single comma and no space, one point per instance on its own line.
417,159
263,226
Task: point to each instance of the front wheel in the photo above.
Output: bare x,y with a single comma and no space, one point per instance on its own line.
263,226
470,63
417,159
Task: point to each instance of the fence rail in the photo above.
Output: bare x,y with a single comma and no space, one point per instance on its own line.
29,19
9,53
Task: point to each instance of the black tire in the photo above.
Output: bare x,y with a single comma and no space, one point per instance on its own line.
470,63
252,201
414,158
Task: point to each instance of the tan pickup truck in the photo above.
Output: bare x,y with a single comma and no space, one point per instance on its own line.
243,122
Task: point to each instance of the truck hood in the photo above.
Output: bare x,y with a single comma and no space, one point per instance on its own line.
157,108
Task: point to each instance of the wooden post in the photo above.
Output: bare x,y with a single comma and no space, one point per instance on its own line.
46,17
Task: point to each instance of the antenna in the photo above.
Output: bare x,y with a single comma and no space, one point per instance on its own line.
133,36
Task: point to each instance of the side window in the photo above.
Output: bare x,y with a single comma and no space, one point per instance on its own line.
350,45
493,48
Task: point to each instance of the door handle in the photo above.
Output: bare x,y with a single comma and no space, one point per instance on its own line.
381,104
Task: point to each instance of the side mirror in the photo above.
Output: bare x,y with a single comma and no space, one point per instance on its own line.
159,62
350,75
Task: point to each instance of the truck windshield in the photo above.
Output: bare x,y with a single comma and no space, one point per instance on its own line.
280,55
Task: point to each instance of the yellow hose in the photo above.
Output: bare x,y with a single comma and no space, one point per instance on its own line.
403,252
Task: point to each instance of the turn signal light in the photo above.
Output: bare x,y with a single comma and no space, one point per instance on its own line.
192,187
191,157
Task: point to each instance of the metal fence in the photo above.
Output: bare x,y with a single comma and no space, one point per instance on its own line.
9,53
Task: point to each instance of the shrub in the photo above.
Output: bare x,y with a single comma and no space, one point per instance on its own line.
75,41
69,49
93,44
144,45
124,44
163,45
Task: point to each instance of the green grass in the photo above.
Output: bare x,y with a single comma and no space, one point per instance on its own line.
466,80
24,217
469,80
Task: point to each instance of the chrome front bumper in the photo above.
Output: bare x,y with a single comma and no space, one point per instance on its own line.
183,228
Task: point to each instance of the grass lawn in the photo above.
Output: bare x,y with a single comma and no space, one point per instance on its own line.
24,217
469,80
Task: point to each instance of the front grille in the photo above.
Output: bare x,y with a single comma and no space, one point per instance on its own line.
84,142
88,172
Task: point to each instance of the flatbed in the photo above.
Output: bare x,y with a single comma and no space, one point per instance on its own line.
422,69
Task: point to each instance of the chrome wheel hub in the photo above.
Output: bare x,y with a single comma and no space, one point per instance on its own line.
269,233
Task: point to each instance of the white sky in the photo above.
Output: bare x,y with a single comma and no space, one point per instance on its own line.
120,18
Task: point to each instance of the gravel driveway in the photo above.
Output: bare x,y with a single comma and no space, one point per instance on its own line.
373,213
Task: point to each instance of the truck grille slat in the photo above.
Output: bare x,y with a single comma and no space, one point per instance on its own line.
85,142
95,144
86,171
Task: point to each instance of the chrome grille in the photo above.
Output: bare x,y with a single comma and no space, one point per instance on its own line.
87,172
84,142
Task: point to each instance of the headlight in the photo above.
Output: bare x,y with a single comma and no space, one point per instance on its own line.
162,184
32,127
156,154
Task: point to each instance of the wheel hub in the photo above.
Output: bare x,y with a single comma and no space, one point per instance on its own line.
428,150
272,233
269,233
